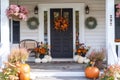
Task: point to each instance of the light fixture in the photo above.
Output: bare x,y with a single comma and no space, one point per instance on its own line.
87,9
36,10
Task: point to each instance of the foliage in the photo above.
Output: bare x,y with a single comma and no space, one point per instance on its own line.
12,67
97,56
82,49
111,73
10,72
61,24
42,49
17,12
18,55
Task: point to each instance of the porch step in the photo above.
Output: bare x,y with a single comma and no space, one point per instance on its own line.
61,78
57,71
58,76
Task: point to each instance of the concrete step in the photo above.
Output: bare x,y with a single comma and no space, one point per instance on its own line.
61,78
57,75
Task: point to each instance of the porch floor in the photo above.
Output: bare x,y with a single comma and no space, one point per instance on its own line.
57,71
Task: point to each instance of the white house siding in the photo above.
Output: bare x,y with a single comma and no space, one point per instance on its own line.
93,37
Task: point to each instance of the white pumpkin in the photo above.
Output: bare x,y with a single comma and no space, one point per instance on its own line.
80,59
76,57
49,58
46,56
86,60
44,60
37,60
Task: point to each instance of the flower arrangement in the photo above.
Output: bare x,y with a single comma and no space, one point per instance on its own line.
61,24
42,49
112,72
97,56
80,53
18,55
42,53
17,12
82,49
118,10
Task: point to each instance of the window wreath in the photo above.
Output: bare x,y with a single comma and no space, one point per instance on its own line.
91,23
33,23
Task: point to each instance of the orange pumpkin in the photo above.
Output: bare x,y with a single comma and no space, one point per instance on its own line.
42,50
92,72
24,72
79,51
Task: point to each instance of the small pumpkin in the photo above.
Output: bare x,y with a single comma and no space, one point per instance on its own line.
92,72
79,51
42,50
24,72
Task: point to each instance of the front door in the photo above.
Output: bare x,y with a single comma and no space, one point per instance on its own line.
61,36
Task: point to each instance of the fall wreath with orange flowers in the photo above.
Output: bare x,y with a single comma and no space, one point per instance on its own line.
61,24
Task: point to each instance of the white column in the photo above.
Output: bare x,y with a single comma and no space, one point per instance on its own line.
5,48
110,32
41,25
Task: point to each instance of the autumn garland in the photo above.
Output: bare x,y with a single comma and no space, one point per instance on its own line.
61,24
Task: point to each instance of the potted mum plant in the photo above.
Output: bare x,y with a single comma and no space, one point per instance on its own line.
80,53
43,53
112,72
17,12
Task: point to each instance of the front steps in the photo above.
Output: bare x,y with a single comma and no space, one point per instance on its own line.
57,71
57,75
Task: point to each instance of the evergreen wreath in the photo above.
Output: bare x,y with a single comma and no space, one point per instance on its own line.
91,23
33,22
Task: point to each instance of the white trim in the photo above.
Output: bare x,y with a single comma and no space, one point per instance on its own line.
110,32
62,59
76,7
5,48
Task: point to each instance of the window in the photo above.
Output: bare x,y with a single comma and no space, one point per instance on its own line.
45,27
16,32
77,25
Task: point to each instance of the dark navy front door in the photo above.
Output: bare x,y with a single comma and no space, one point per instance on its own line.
61,41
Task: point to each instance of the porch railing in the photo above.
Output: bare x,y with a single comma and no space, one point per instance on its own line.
112,55
117,47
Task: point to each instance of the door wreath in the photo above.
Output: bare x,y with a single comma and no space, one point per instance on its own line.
91,23
33,22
